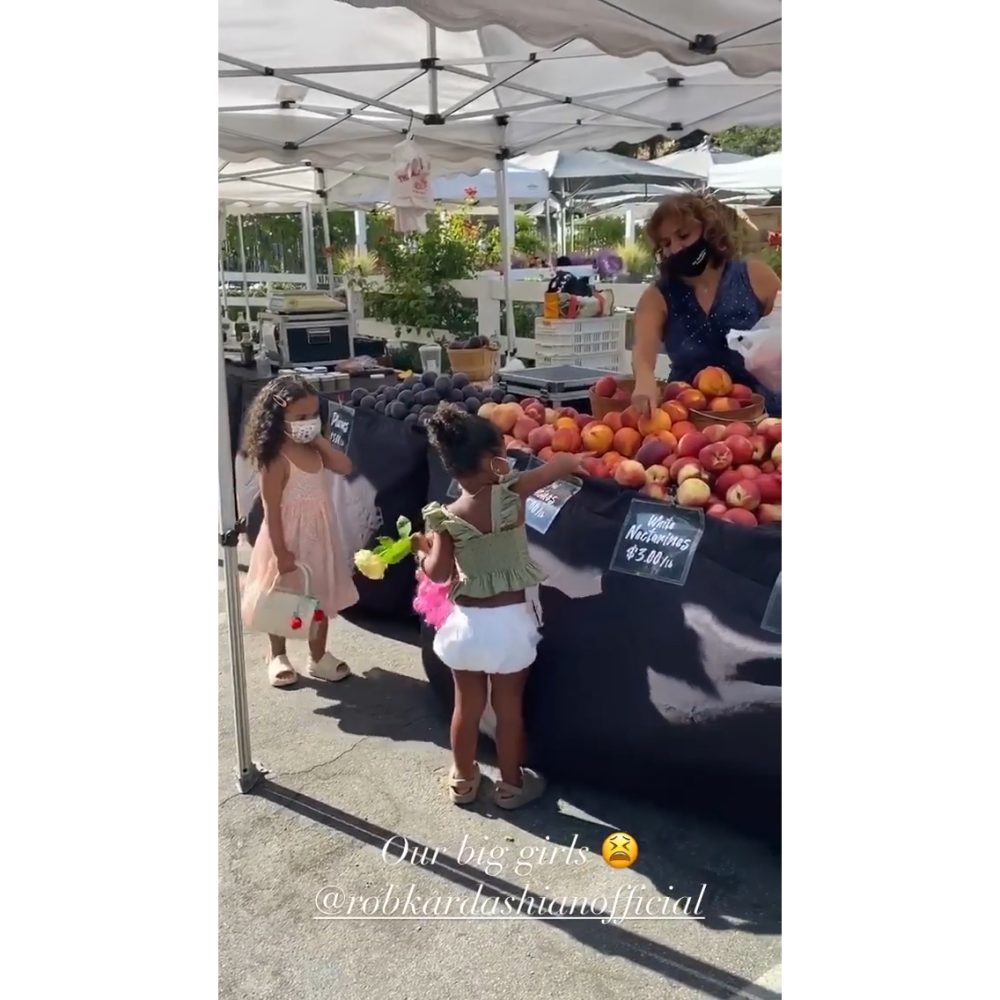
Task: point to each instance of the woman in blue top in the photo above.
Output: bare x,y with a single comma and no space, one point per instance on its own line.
702,294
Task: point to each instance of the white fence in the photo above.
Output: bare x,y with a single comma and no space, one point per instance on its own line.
486,290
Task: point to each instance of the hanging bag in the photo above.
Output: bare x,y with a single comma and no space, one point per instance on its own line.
287,613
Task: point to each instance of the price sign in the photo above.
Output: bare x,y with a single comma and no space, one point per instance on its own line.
772,613
341,420
541,508
658,541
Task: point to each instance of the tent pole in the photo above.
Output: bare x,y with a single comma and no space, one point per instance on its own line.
506,225
432,73
548,228
248,773
243,268
327,248
360,231
308,248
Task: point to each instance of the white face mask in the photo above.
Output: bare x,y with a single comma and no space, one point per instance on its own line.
303,431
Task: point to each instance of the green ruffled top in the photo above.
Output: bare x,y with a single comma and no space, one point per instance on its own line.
493,563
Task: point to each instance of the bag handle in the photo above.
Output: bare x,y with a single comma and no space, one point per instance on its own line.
307,576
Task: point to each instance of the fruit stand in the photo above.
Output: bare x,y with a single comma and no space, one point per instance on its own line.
660,658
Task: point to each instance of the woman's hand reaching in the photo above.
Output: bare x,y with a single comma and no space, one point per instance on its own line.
646,394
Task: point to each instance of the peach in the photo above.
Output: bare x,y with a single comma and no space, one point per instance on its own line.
693,399
680,429
664,436
714,432
685,468
772,432
612,458
713,381
582,419
760,447
738,515
486,409
692,443
627,441
769,513
605,387
743,494
675,410
540,437
768,422
716,509
748,471
568,411
629,473
630,418
565,422
715,457
551,416
597,438
738,427
613,420
546,454
655,491
535,409
652,453
723,404
505,416
566,439
742,449
656,421
523,427
768,466
740,391
596,468
658,474
770,488
693,493
726,479
776,455
674,389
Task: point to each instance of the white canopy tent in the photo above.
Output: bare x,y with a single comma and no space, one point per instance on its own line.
475,94
762,173
700,161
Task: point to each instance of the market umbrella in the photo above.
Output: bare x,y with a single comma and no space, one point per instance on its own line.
762,173
744,34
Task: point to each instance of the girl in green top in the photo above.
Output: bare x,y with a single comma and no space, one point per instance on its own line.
479,544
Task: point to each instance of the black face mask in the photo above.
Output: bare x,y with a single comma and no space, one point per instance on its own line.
689,261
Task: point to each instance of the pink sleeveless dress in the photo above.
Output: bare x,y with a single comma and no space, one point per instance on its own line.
311,533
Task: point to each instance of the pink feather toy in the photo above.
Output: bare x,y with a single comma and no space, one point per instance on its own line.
432,602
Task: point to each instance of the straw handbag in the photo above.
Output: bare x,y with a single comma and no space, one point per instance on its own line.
287,613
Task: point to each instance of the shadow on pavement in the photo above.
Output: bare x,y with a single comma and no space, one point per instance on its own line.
608,939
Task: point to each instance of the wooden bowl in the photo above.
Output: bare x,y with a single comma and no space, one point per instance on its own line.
750,414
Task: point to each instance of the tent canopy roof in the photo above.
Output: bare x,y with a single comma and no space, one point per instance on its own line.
345,91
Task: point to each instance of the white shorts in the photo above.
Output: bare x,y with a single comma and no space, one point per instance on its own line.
492,640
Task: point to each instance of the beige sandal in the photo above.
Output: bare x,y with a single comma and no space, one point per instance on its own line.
327,668
280,672
462,791
508,796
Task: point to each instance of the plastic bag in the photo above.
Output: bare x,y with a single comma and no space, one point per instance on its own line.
410,191
761,349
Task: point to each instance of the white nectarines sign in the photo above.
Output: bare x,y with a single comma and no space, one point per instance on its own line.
658,541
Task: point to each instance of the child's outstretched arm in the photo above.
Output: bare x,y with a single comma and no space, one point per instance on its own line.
561,465
334,460
272,485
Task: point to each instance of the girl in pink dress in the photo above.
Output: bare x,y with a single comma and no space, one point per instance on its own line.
285,439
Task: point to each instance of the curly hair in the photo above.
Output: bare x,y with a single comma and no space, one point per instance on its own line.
462,439
264,426
713,217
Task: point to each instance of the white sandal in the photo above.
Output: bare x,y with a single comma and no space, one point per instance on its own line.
280,672
508,796
462,791
327,668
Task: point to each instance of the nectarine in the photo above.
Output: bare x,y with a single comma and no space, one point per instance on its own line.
713,381
613,420
523,427
723,404
685,468
748,471
675,410
656,421
716,509
760,447
605,387
612,458
715,457
655,491
714,432
657,474
681,428
693,399
769,513
597,437
652,453
739,391
743,494
582,419
565,422
627,441
566,438
629,473
540,437
630,417
770,488
692,443
739,515
726,479
738,427
776,455
693,492
674,389
741,447
546,454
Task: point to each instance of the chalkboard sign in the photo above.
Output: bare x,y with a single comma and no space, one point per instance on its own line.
541,508
772,613
341,423
658,541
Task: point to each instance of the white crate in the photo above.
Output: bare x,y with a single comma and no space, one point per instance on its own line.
589,343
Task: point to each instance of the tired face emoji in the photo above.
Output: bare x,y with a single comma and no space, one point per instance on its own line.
620,850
